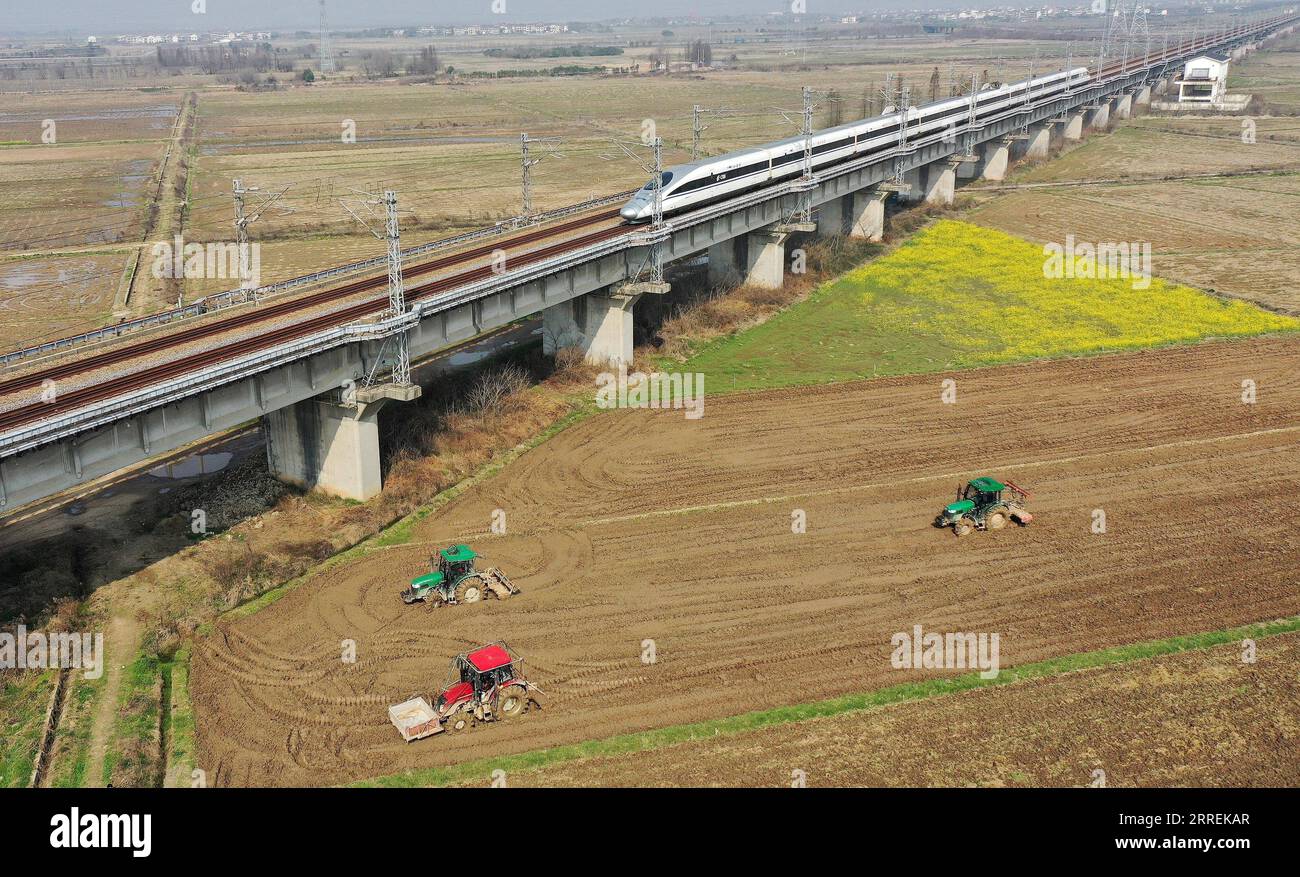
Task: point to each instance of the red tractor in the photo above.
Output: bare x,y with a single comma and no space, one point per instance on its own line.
485,685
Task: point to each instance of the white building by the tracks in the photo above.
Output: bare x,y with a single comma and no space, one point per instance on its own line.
1205,80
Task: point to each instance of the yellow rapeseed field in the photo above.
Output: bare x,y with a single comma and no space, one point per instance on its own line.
987,295
959,296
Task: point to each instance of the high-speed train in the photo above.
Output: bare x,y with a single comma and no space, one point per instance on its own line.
711,179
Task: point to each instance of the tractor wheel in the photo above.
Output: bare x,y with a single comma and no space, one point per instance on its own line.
963,526
461,720
512,701
469,590
996,519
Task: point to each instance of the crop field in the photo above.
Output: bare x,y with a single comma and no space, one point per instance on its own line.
1273,76
52,297
1220,233
1218,720
956,295
76,209
643,525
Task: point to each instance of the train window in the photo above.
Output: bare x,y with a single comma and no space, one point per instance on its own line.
667,176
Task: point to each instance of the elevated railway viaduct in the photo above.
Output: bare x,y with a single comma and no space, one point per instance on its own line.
105,404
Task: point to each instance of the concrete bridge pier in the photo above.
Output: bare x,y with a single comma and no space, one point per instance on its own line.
1143,97
598,323
940,182
912,189
331,443
968,166
1099,116
997,155
867,214
1124,106
830,219
1039,144
1073,127
724,267
765,259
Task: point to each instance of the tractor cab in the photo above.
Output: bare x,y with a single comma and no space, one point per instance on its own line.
983,491
456,562
478,674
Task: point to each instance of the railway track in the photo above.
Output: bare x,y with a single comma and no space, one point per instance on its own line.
35,410
280,309
125,383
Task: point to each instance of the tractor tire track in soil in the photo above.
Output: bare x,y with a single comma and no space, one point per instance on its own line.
1199,718
608,541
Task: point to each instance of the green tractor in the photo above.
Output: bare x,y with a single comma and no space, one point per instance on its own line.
985,504
454,580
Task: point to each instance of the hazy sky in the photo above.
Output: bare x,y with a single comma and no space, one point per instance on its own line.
107,16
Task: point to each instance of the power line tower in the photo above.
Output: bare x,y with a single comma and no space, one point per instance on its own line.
806,183
805,198
528,161
656,233
697,128
244,217
969,141
401,357
904,105
326,50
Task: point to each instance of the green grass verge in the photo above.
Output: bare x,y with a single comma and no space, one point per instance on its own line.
72,742
24,699
960,296
132,749
660,737
179,719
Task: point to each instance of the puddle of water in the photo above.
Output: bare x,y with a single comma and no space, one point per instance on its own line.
159,111
196,464
29,274
17,278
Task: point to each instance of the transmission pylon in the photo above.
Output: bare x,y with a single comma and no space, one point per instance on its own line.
529,160
391,233
326,50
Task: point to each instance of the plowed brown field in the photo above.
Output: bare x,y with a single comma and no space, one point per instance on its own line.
641,525
1201,718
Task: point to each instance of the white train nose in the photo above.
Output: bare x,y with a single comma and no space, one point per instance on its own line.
628,212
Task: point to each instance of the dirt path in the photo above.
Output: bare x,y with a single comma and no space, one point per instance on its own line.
120,642
164,217
641,526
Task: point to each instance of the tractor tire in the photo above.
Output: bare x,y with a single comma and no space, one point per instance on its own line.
963,526
469,590
461,720
996,519
512,701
